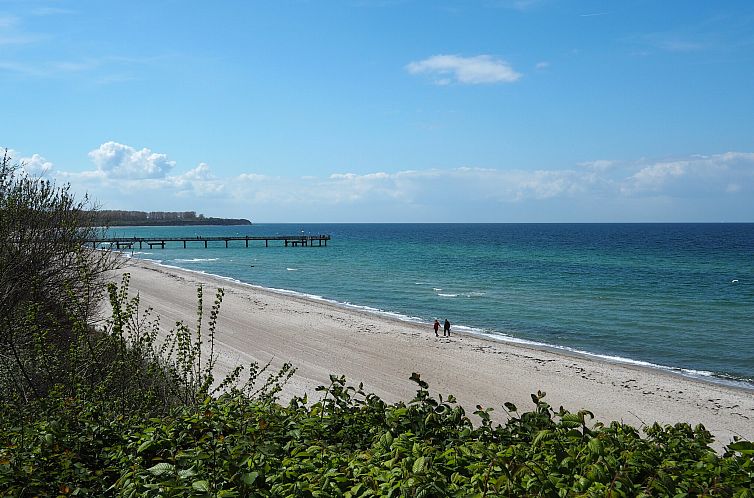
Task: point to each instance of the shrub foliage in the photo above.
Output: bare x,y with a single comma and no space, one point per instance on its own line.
49,284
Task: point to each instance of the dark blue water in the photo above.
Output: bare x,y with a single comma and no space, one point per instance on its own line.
679,296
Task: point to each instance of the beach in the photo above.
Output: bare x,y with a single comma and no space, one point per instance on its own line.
320,338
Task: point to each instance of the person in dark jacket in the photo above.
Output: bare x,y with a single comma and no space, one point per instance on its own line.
436,327
446,328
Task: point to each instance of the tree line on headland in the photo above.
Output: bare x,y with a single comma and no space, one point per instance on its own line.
104,401
114,217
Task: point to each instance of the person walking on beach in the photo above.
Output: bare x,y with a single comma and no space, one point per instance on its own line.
437,327
446,328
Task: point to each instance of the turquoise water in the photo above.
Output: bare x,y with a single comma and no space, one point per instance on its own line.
677,296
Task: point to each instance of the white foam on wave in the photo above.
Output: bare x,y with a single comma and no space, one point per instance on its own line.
292,269
464,294
685,372
381,312
195,260
436,289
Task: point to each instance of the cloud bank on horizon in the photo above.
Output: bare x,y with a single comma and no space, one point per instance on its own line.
596,191
375,111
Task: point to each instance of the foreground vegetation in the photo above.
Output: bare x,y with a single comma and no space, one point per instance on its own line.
123,407
353,444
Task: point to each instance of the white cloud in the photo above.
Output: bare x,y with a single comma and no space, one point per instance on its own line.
201,172
542,65
654,176
252,177
598,165
199,181
115,160
723,174
36,165
481,69
125,169
602,189
694,175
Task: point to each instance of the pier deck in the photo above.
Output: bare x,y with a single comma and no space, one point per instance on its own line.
152,242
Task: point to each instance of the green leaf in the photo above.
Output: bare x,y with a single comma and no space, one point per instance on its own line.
418,465
250,477
541,436
144,446
743,447
386,440
183,474
161,469
200,486
595,446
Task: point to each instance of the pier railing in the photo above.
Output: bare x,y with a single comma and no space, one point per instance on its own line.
152,242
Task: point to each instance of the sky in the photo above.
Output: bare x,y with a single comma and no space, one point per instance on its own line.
386,110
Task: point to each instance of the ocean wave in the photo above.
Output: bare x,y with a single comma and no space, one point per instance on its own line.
292,269
446,295
195,260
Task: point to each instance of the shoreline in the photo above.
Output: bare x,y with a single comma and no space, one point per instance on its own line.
703,376
321,337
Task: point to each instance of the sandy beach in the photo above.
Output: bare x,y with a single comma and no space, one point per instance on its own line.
321,338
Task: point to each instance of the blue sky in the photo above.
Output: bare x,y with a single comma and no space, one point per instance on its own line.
388,110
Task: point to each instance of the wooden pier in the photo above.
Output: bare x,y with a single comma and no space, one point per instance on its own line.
152,242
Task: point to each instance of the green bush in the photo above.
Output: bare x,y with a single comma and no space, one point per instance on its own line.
50,285
353,444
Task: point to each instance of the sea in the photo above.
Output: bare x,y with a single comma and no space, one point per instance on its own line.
676,297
